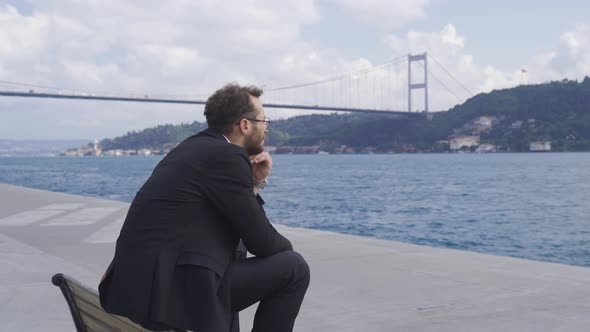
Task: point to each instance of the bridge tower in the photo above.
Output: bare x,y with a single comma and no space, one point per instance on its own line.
412,86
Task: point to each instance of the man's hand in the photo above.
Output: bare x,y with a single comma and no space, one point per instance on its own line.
261,165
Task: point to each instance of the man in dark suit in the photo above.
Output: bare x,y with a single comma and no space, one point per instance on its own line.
178,263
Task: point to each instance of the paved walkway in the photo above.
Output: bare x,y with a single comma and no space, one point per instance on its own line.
358,284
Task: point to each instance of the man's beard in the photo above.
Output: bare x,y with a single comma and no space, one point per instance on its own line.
254,145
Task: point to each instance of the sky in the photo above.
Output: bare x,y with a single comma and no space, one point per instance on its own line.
191,48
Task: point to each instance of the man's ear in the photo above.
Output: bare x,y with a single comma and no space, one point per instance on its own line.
244,126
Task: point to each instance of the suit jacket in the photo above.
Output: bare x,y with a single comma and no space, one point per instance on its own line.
180,236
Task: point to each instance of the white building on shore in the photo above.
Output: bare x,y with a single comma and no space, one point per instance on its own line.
485,122
463,141
540,146
486,148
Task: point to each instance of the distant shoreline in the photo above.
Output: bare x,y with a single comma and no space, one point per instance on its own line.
58,155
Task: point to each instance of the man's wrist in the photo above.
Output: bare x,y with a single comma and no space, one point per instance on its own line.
260,185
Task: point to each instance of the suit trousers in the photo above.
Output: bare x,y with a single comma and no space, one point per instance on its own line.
278,282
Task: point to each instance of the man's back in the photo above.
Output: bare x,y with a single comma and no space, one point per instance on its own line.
175,263
172,210
187,214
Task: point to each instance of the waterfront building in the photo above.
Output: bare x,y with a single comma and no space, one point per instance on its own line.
540,146
113,153
486,148
369,150
71,153
516,124
463,141
485,122
144,152
289,149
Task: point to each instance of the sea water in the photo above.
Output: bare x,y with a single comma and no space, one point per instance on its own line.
534,206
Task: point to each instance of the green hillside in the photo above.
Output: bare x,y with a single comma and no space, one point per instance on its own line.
561,111
556,111
160,137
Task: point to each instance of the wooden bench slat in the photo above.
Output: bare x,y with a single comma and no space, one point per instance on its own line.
93,325
87,312
96,313
89,305
83,292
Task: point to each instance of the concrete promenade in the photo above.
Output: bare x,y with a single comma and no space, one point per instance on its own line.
358,284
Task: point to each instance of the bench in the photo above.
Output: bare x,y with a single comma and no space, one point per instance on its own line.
86,311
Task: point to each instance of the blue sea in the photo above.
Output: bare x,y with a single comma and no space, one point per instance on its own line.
534,206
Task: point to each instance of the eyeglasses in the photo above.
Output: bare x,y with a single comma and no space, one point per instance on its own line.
266,121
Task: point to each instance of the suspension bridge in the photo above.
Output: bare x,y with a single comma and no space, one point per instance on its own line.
371,90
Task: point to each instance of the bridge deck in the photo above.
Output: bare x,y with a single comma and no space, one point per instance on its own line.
358,284
148,99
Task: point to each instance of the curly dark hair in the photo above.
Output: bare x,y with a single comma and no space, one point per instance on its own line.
228,105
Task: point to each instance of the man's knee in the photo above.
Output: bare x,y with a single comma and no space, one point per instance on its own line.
297,266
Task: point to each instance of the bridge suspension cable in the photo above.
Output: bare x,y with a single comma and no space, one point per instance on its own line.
371,88
443,84
27,85
451,75
341,76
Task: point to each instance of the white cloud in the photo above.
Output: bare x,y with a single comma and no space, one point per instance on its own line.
151,42
577,51
570,60
448,47
385,13
182,48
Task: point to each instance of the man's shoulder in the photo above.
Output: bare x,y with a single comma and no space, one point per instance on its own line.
206,146
219,144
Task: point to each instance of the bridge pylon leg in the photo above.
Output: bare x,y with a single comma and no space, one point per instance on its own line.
415,86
